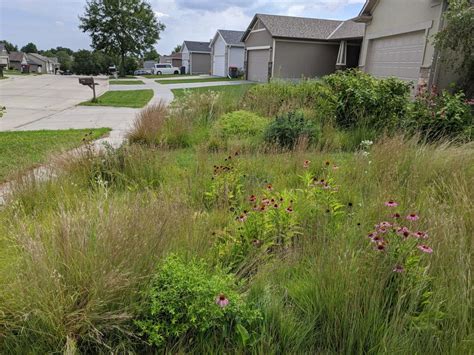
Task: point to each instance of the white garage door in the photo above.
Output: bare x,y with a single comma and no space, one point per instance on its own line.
257,64
400,56
218,65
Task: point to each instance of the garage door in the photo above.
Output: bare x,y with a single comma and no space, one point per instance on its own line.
400,56
218,65
257,63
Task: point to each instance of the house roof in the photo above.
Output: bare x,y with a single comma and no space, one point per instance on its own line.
193,46
231,37
16,56
307,28
366,13
2,47
31,59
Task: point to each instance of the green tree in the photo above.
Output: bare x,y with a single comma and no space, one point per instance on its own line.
152,54
121,27
456,41
10,47
64,59
177,48
30,48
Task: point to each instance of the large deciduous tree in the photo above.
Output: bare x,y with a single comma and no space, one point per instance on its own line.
30,48
456,41
10,47
121,27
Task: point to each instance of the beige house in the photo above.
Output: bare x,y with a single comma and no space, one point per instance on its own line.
398,40
295,47
196,57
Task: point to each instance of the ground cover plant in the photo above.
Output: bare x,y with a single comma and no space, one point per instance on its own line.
20,151
192,80
128,98
358,242
126,82
232,91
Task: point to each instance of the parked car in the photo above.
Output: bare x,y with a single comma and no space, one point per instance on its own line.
159,69
142,72
65,72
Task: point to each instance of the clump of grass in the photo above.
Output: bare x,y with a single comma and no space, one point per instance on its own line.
148,124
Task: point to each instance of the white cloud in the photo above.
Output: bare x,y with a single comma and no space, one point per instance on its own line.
161,14
59,23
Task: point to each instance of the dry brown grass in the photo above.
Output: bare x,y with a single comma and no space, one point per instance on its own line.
148,124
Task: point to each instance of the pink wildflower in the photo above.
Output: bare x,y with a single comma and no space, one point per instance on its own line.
420,235
289,209
306,164
413,217
391,203
222,300
396,215
425,249
398,268
380,246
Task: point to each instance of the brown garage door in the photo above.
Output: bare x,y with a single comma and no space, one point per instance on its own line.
400,56
257,63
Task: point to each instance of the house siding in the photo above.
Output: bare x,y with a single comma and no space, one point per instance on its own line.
257,39
406,16
295,59
236,57
185,59
218,51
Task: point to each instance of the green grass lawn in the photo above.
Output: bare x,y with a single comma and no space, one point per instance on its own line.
153,76
190,80
129,98
13,72
123,77
237,90
20,151
126,82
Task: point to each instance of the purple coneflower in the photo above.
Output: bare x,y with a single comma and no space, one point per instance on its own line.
396,215
256,243
372,235
391,203
289,209
384,225
413,217
269,187
380,247
425,249
252,198
420,235
242,218
222,300
398,268
306,164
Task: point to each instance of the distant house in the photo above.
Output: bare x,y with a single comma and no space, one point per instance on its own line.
41,64
175,59
399,41
149,64
227,50
196,57
18,61
4,59
295,47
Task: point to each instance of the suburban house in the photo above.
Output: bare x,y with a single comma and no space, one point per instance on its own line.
174,59
295,47
227,50
38,63
196,57
398,40
4,59
18,61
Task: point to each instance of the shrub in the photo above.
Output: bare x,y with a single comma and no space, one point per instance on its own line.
288,129
239,124
187,300
363,99
437,116
281,96
148,124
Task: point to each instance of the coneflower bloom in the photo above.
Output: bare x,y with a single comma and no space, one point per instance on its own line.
398,268
222,300
289,209
425,249
420,235
391,203
256,242
384,225
306,164
252,198
396,215
413,217
269,187
372,235
380,247
242,218
335,167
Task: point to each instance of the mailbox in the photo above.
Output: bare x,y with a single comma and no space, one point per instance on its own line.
86,81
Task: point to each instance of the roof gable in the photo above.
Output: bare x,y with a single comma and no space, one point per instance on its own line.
307,28
193,46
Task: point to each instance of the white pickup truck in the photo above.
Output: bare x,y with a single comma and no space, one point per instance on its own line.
159,69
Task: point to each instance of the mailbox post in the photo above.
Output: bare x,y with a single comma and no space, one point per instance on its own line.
90,83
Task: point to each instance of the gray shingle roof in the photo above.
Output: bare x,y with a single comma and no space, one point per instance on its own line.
197,46
16,56
310,28
2,47
232,37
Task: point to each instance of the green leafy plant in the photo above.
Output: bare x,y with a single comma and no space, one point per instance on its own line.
239,124
288,129
363,99
442,115
188,301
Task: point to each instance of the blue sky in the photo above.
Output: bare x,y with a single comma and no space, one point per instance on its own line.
52,23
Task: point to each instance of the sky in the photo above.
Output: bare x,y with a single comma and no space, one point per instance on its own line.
52,23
